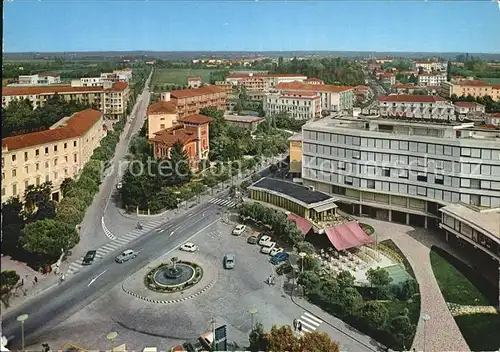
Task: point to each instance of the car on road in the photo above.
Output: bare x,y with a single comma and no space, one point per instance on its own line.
89,258
119,185
278,258
254,238
189,247
276,250
239,229
267,247
264,239
229,260
126,255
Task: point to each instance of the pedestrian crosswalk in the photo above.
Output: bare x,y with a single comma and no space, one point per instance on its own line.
223,202
309,322
114,245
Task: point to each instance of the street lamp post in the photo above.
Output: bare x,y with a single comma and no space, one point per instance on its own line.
252,312
425,317
21,319
111,338
302,255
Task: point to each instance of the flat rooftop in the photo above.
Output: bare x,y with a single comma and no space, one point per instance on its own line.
486,219
297,137
245,119
293,190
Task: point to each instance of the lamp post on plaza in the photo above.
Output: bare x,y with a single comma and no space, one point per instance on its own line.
302,255
111,338
21,319
252,311
425,317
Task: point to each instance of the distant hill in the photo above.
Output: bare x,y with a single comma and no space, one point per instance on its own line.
184,55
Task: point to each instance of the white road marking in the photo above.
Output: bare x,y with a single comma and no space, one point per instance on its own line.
95,278
187,240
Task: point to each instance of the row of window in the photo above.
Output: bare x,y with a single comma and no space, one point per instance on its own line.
37,182
402,188
37,166
395,145
37,151
399,162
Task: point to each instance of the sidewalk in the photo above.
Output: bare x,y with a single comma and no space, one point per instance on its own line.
27,275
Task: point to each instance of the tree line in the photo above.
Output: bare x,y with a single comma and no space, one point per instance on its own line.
19,117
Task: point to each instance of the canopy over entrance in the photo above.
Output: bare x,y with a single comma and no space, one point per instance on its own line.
304,225
347,236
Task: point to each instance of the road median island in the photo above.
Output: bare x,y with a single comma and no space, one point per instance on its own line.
135,285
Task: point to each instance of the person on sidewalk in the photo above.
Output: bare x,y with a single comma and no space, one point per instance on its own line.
299,326
294,324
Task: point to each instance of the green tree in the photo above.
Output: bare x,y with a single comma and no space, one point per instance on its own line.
373,313
345,279
257,338
8,281
448,71
66,185
305,247
47,237
179,161
349,299
38,203
378,277
12,224
69,214
401,329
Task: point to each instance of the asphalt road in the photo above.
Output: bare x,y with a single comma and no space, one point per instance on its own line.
53,306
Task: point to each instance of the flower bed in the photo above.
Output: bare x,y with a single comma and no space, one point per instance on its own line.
368,229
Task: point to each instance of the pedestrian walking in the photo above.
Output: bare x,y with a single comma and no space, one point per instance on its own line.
36,280
299,326
294,324
22,282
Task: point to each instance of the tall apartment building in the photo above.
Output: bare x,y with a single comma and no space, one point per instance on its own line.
467,87
111,100
425,107
190,101
403,171
430,66
50,155
333,98
431,80
263,82
298,105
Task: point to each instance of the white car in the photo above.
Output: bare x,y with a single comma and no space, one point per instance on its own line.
264,239
239,229
119,185
267,247
275,251
189,247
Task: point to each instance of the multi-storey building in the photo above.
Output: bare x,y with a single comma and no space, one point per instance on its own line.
106,79
470,110
473,88
403,171
111,100
300,105
161,115
263,82
404,88
190,101
431,80
37,80
388,79
192,131
425,107
50,155
430,66
333,98
493,120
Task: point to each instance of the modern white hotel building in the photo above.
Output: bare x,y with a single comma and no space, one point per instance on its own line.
432,175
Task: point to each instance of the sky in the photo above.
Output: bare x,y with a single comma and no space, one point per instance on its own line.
262,25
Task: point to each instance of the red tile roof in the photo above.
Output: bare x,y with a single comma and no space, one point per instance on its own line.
77,125
466,104
48,75
260,75
496,114
313,87
303,224
475,82
187,93
197,119
403,98
314,79
11,91
299,93
162,107
194,78
170,136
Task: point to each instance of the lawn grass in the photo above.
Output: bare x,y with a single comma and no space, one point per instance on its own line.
454,285
179,76
491,80
481,331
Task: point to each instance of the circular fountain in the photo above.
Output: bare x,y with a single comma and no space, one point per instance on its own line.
174,276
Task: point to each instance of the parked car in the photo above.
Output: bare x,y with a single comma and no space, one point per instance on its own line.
276,250
89,258
239,229
278,258
267,247
229,260
119,185
189,247
264,239
126,255
284,268
254,238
